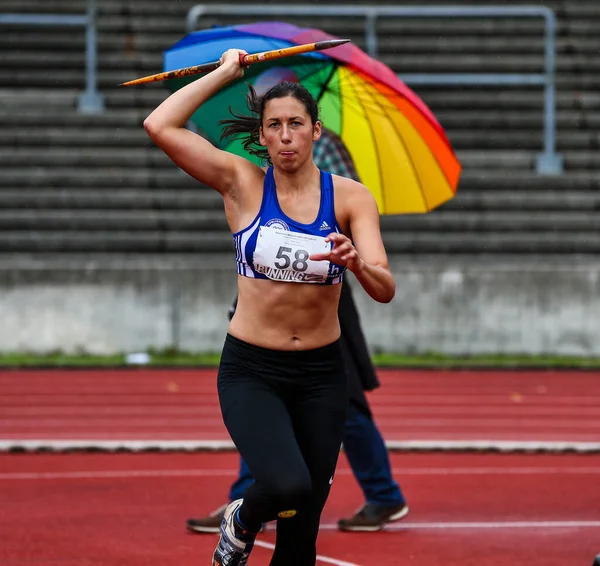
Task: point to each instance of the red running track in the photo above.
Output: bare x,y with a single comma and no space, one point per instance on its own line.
426,408
478,509
82,509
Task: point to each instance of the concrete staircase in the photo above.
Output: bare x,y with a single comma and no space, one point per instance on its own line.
74,184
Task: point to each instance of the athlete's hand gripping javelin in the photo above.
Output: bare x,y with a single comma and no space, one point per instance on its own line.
232,58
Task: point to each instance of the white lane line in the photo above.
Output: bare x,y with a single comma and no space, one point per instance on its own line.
499,445
320,558
514,471
401,526
7,445
114,445
232,472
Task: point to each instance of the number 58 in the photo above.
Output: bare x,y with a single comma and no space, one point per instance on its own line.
300,256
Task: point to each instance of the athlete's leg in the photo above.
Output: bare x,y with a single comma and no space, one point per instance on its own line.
261,427
318,417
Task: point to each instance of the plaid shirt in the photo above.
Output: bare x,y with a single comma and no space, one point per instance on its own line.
330,154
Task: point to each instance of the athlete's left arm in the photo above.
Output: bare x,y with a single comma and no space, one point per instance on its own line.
365,254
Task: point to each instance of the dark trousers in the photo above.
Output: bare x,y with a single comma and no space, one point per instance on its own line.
285,412
368,458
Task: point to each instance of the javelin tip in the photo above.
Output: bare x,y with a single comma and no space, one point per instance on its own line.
329,43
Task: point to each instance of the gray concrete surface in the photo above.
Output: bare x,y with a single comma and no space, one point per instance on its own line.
441,305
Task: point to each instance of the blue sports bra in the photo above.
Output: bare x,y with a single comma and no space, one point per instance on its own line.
277,247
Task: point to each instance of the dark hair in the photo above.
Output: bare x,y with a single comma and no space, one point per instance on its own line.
248,126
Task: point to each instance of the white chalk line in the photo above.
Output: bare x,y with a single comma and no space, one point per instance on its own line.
7,445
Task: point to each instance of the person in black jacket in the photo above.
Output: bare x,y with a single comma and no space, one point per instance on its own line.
362,441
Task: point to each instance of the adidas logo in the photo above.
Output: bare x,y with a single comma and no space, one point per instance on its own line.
325,226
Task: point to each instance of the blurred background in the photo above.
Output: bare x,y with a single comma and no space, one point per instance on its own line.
107,248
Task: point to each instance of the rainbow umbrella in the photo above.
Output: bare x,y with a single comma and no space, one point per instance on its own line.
399,149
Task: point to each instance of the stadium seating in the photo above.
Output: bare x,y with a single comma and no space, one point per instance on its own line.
76,184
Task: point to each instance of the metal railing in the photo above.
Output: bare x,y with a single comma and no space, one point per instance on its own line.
90,101
548,162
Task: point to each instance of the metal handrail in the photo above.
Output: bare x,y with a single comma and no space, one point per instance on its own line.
548,162
90,101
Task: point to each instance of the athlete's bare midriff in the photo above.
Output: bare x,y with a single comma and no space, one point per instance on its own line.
286,316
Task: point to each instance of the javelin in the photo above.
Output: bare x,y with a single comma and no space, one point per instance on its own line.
245,60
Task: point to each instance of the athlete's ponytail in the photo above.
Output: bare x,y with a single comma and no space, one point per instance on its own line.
247,127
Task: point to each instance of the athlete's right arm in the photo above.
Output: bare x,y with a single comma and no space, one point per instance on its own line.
192,153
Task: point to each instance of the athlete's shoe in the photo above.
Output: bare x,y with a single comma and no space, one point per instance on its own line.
232,550
210,524
373,517
597,560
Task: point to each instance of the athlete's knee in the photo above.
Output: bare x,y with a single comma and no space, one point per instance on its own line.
291,490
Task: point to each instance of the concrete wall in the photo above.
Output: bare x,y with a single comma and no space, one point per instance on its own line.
479,308
454,307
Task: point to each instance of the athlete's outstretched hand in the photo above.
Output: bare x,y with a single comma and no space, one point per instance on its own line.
343,252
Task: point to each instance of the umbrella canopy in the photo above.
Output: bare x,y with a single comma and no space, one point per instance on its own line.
398,147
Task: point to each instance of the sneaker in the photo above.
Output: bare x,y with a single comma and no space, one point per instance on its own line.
373,517
231,550
210,524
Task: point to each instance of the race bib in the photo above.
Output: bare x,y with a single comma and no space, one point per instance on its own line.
283,256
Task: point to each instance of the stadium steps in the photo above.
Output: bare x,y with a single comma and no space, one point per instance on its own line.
101,178
139,220
495,199
109,155
108,199
204,241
